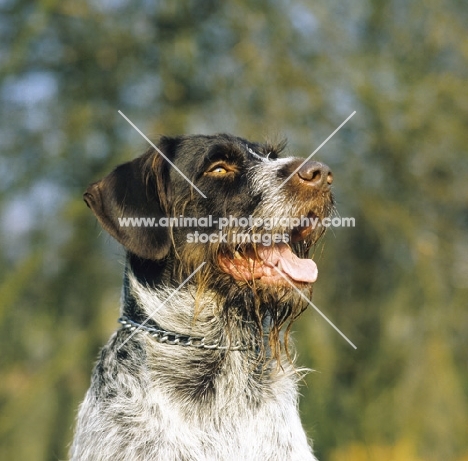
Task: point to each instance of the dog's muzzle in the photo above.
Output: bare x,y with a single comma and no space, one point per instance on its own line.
286,262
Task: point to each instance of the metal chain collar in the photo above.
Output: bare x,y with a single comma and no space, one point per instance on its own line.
169,337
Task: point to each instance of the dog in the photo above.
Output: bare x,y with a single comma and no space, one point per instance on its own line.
202,367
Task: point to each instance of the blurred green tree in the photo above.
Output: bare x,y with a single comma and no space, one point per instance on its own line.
396,284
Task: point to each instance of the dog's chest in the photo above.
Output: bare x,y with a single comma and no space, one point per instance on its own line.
235,414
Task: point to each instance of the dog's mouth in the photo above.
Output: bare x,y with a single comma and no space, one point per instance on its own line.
275,264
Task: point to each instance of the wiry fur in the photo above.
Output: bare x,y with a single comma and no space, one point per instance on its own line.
155,401
151,401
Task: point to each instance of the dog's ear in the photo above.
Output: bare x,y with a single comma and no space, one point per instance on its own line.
137,189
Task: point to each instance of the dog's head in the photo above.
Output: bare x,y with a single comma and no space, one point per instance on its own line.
254,228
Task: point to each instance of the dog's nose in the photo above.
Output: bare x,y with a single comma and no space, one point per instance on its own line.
316,174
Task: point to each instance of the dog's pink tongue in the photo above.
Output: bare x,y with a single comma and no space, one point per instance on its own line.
281,257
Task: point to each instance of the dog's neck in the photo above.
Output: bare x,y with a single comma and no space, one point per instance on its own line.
180,317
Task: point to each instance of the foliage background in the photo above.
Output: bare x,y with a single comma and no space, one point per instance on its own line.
396,284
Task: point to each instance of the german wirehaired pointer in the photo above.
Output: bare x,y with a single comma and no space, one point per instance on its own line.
201,368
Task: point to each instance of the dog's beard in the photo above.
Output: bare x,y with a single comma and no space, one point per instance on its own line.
269,310
266,284
266,310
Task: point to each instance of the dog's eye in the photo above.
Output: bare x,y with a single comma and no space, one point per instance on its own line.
220,169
